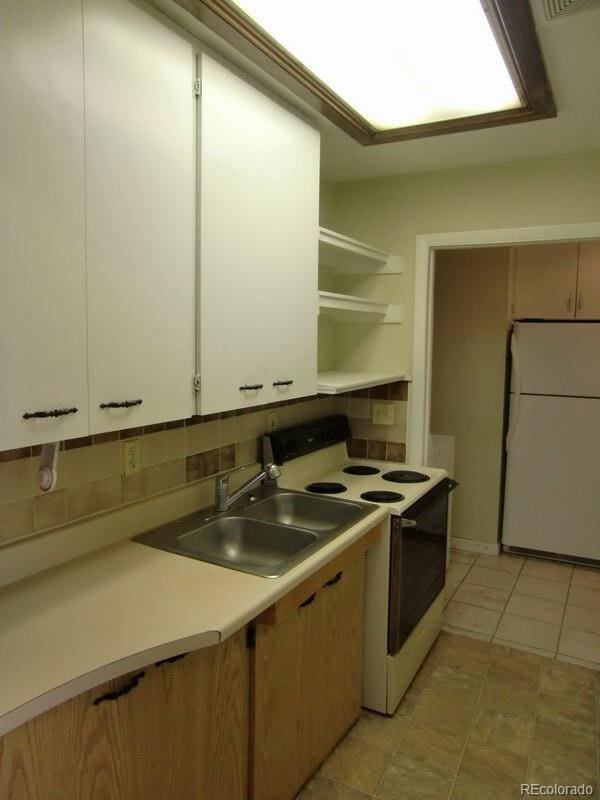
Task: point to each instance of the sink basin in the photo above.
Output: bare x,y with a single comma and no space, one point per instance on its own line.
265,536
306,511
250,545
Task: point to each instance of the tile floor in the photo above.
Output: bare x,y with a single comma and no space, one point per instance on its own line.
546,607
479,720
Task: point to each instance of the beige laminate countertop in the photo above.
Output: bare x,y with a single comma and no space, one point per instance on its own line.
92,619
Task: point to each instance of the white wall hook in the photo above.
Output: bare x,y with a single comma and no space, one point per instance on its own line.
47,473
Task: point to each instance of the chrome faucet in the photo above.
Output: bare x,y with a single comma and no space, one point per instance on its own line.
269,472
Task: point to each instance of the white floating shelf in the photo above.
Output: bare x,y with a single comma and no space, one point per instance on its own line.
339,382
347,308
350,256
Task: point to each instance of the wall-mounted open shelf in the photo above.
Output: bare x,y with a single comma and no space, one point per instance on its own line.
338,382
348,308
346,255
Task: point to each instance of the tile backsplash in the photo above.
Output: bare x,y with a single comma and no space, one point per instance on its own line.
174,454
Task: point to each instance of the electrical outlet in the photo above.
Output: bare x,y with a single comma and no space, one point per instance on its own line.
132,456
383,413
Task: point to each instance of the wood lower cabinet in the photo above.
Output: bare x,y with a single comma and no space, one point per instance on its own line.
181,733
307,675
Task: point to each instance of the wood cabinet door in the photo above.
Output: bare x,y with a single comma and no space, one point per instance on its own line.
545,281
181,732
258,246
307,683
42,225
141,215
588,285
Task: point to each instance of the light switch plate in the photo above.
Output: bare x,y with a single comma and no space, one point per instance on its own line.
132,456
383,413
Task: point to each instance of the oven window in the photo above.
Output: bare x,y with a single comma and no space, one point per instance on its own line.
417,563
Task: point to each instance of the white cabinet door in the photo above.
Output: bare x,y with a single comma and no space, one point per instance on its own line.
258,245
42,229
141,179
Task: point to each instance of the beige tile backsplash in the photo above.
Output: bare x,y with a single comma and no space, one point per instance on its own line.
174,454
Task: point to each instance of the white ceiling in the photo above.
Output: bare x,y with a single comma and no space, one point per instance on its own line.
571,49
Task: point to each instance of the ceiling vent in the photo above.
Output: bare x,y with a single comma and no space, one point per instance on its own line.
559,8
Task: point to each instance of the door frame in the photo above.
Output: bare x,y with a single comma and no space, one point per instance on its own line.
419,411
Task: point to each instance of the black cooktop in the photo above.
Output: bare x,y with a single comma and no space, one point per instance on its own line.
326,487
380,496
405,476
361,469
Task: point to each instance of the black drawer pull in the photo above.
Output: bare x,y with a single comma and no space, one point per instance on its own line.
122,404
251,387
120,692
308,601
282,383
332,581
57,412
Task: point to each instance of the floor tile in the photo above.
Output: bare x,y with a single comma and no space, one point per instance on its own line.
409,702
437,712
505,562
432,747
467,789
321,788
482,596
584,596
535,608
449,589
579,644
356,764
509,697
503,731
462,556
539,587
568,682
456,682
456,572
495,579
480,620
474,661
379,730
529,632
549,570
567,716
586,577
488,764
561,658
519,666
406,777
525,648
482,637
582,619
564,750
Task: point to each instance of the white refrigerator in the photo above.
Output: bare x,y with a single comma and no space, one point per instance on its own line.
552,482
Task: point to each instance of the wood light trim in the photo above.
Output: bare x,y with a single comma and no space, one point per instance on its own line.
512,24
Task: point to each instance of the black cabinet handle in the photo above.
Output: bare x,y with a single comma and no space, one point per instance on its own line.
282,383
251,387
332,581
57,412
120,692
122,404
308,601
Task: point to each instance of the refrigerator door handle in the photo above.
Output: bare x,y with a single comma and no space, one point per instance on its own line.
516,391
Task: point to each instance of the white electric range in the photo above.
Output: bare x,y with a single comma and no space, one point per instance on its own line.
405,570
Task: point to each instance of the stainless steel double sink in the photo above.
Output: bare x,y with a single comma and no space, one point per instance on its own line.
266,534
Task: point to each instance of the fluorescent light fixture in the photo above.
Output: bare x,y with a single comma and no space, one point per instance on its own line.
397,63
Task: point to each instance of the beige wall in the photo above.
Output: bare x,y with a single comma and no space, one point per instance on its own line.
469,349
390,212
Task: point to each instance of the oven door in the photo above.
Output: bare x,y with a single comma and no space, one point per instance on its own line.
417,562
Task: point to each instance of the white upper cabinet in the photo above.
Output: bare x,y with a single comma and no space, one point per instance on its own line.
42,271
259,194
141,216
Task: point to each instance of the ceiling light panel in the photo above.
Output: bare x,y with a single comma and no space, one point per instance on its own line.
395,63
